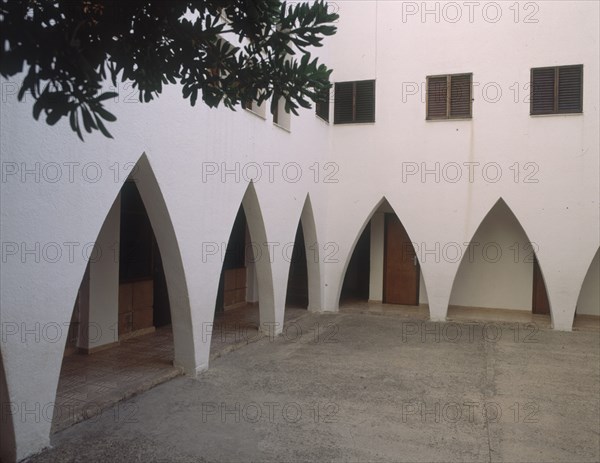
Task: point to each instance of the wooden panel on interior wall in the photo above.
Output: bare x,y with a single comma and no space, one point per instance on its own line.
234,293
136,312
229,277
143,318
125,323
143,294
125,297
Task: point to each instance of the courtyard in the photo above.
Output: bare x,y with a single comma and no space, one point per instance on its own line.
366,386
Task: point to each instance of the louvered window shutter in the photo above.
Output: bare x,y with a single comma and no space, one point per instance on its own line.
322,106
437,97
344,104
570,86
365,101
354,102
460,95
542,90
557,90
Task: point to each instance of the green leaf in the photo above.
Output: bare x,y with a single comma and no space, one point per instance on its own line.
88,122
37,108
105,132
107,96
107,116
53,117
73,61
73,120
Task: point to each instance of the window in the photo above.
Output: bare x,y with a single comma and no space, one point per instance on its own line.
322,106
281,117
557,90
255,108
449,96
354,102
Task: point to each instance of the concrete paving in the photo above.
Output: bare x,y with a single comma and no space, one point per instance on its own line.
361,388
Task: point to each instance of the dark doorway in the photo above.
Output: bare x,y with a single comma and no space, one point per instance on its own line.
297,287
232,282
143,295
356,280
540,304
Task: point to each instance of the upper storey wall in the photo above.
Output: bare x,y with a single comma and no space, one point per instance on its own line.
542,161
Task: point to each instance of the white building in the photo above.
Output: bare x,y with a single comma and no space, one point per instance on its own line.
479,190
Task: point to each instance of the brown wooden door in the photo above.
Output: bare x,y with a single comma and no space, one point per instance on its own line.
401,267
540,303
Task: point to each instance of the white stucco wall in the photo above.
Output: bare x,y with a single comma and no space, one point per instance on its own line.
190,209
554,194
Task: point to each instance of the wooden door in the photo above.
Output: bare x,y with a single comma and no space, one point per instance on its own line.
540,303
401,267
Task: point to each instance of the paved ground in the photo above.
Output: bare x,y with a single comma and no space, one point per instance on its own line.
366,388
89,384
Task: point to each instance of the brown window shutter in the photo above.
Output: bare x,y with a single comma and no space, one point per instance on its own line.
570,86
460,95
542,90
322,106
437,97
343,112
365,101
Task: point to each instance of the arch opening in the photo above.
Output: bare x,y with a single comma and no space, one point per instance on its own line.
499,271
237,315
355,287
383,272
131,320
588,303
304,276
297,284
245,298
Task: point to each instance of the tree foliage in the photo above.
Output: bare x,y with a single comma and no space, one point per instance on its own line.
223,51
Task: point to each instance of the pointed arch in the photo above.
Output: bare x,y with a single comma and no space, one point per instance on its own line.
588,302
377,261
313,262
101,294
262,256
499,239
310,254
168,245
352,248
